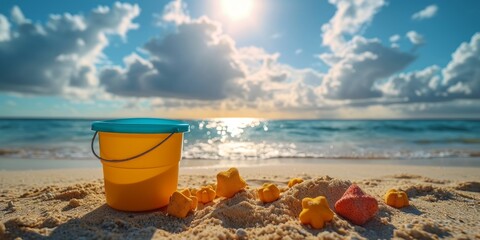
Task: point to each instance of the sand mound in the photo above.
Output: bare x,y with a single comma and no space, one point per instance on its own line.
245,211
77,191
468,186
407,176
428,192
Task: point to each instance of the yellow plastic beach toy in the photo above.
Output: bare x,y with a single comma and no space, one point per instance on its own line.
396,198
315,212
206,194
294,181
268,192
194,199
180,205
229,183
140,158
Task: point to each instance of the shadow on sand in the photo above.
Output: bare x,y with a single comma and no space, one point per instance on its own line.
411,210
104,222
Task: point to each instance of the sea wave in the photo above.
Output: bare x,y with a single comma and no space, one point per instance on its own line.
241,151
239,139
449,140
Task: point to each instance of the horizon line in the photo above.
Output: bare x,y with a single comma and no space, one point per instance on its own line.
266,119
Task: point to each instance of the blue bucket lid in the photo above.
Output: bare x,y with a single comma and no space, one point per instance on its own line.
141,125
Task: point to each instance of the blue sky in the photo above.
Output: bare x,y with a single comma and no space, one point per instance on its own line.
280,59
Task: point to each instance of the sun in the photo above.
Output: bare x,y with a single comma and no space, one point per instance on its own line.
237,9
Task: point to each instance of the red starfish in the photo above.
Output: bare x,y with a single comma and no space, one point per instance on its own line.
356,206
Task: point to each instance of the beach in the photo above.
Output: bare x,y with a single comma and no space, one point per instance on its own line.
65,203
52,187
229,119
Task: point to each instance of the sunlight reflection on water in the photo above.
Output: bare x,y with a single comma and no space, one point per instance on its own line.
229,127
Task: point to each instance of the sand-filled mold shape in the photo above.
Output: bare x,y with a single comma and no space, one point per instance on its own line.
468,186
315,212
180,204
229,183
396,198
428,192
294,181
332,189
356,206
268,192
188,194
206,194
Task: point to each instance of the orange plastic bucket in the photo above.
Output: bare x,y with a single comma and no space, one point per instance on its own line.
140,158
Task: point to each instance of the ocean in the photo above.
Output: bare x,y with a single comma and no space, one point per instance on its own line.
261,140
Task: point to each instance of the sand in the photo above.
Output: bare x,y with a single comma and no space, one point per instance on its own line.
70,203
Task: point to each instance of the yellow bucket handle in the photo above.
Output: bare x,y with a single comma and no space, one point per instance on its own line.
129,158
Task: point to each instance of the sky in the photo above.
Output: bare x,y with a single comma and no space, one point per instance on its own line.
335,59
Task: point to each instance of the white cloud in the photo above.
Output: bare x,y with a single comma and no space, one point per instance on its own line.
350,17
354,72
394,38
176,12
356,65
272,85
195,62
117,20
453,109
461,76
4,28
426,13
412,86
415,38
298,51
62,53
460,79
17,16
210,71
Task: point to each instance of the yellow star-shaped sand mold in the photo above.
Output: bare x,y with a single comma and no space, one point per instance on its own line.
206,194
395,198
315,212
188,194
181,203
268,192
294,181
229,183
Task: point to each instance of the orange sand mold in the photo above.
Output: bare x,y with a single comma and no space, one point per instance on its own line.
268,193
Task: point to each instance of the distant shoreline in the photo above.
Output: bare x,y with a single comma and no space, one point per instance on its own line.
12,164
266,119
